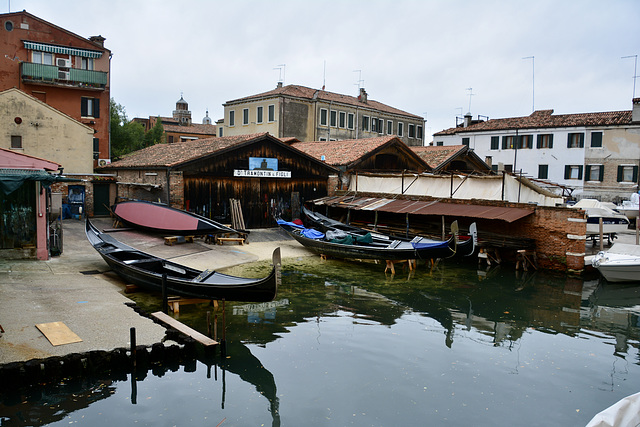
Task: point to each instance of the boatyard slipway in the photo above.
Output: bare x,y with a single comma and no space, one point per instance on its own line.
77,289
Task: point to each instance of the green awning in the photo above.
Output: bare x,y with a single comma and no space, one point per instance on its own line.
63,50
12,179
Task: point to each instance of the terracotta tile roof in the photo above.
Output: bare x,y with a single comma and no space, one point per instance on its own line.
166,155
546,119
339,153
296,91
198,129
436,155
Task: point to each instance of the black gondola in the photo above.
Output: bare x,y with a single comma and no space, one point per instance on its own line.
146,270
364,247
463,248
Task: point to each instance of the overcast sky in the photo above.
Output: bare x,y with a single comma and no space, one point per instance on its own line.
419,56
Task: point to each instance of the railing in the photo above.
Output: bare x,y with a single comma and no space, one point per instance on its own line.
50,74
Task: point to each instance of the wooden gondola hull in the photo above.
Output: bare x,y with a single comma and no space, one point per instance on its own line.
443,250
160,218
145,270
323,223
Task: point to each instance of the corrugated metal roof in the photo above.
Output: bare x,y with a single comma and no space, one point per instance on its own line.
416,207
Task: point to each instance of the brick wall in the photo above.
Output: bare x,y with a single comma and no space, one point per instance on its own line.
559,233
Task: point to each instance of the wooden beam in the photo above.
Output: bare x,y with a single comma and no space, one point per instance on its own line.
181,327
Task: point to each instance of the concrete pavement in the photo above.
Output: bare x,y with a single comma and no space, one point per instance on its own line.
72,289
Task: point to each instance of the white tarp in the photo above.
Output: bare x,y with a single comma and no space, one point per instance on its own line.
462,187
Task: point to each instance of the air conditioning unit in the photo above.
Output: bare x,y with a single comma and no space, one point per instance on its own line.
104,162
63,75
63,62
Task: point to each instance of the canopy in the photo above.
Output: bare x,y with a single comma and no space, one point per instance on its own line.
12,179
63,50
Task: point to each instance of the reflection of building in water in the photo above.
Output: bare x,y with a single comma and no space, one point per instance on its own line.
257,312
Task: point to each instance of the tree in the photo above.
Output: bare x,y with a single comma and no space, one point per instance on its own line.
126,136
155,134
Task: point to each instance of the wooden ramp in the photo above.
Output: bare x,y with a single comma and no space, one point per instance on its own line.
168,320
58,333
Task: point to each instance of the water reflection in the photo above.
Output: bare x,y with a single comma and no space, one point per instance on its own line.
454,311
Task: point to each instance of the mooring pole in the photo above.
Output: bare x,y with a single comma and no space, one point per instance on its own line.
209,324
132,338
165,303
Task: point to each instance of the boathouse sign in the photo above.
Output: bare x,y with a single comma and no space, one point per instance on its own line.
261,167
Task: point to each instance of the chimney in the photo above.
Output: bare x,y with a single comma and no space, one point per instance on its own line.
467,119
489,161
363,95
635,113
99,40
279,85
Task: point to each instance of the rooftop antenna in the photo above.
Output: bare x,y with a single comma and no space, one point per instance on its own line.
470,95
635,69
282,70
359,81
324,74
533,82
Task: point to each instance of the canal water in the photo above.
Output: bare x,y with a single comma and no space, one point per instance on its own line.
344,344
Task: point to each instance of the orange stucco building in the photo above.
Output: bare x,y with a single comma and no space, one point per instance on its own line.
62,69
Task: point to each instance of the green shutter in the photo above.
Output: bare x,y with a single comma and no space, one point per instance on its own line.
580,172
96,108
581,143
587,173
539,141
601,174
551,141
569,140
567,171
83,107
635,174
620,172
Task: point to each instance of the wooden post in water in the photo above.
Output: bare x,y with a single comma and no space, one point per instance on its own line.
209,324
132,336
165,301
601,236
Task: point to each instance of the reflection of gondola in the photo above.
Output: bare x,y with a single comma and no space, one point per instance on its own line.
147,271
324,224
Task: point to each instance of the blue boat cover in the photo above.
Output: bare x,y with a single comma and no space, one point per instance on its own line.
312,234
291,224
432,245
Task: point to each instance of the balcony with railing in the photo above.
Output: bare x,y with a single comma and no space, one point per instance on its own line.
59,76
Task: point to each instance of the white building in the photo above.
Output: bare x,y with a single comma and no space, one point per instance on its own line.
596,155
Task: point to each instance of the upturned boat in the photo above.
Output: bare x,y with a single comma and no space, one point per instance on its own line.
161,218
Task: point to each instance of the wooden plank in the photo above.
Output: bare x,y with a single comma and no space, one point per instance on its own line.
58,333
166,319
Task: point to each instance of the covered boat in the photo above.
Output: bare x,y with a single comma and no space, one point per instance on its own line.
146,271
621,263
324,224
612,222
350,246
161,218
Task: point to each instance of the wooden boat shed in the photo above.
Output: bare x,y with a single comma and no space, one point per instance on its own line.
267,176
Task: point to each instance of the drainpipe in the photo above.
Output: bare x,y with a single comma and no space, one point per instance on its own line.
168,186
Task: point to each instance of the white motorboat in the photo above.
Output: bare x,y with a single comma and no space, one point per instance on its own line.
629,208
612,221
621,263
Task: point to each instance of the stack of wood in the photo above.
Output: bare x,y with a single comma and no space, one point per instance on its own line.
237,220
